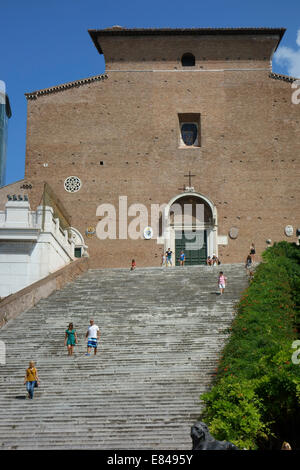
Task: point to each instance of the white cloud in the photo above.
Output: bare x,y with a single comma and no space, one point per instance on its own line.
286,56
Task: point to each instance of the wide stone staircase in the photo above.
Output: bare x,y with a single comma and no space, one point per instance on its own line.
162,331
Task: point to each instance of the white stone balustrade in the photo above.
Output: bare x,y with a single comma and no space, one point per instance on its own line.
32,245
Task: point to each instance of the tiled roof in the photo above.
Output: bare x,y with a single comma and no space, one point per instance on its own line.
285,78
120,31
84,81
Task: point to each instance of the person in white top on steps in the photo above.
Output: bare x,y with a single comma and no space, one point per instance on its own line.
92,335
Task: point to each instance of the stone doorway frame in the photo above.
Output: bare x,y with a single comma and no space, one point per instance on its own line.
211,228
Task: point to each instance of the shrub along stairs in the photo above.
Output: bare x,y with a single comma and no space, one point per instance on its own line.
162,331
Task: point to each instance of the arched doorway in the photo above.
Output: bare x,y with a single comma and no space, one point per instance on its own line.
191,226
80,248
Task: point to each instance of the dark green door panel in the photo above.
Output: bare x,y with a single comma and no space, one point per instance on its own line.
192,256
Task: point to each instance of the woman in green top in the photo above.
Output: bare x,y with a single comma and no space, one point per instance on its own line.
70,339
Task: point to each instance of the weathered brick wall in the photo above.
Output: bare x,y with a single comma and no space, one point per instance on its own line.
248,162
138,52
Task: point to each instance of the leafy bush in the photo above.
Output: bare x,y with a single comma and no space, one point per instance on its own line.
234,413
256,394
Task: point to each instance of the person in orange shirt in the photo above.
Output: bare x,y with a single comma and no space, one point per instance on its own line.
31,379
133,265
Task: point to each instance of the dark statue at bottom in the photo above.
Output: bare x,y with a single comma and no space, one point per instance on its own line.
203,440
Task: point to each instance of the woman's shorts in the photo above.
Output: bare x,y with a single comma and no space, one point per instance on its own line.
222,286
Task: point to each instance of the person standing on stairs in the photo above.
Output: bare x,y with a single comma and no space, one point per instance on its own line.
70,339
252,252
222,282
31,379
248,262
133,265
169,257
93,336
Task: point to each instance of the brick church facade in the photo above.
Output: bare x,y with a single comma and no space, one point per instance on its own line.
172,103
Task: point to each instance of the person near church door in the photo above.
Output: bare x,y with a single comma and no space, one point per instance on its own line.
209,261
92,335
31,379
252,252
169,257
248,262
70,339
163,259
182,258
222,282
215,260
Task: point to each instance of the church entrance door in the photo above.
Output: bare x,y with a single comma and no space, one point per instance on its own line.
185,240
190,225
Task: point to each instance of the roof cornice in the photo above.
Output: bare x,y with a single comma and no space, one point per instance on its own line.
285,78
120,31
65,86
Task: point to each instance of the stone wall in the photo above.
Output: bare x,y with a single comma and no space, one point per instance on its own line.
12,306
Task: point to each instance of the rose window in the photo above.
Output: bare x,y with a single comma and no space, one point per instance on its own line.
72,184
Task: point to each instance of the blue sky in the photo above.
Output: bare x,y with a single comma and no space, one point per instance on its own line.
47,43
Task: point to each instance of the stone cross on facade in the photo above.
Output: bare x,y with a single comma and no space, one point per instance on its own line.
189,176
189,187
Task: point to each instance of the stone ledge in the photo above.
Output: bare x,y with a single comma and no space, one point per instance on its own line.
13,305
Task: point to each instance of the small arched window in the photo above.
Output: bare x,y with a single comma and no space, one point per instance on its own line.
189,133
188,60
189,130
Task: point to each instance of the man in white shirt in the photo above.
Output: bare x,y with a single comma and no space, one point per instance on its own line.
92,335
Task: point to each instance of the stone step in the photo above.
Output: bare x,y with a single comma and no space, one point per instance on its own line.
162,331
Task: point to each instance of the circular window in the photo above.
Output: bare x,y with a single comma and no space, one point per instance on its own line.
72,184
